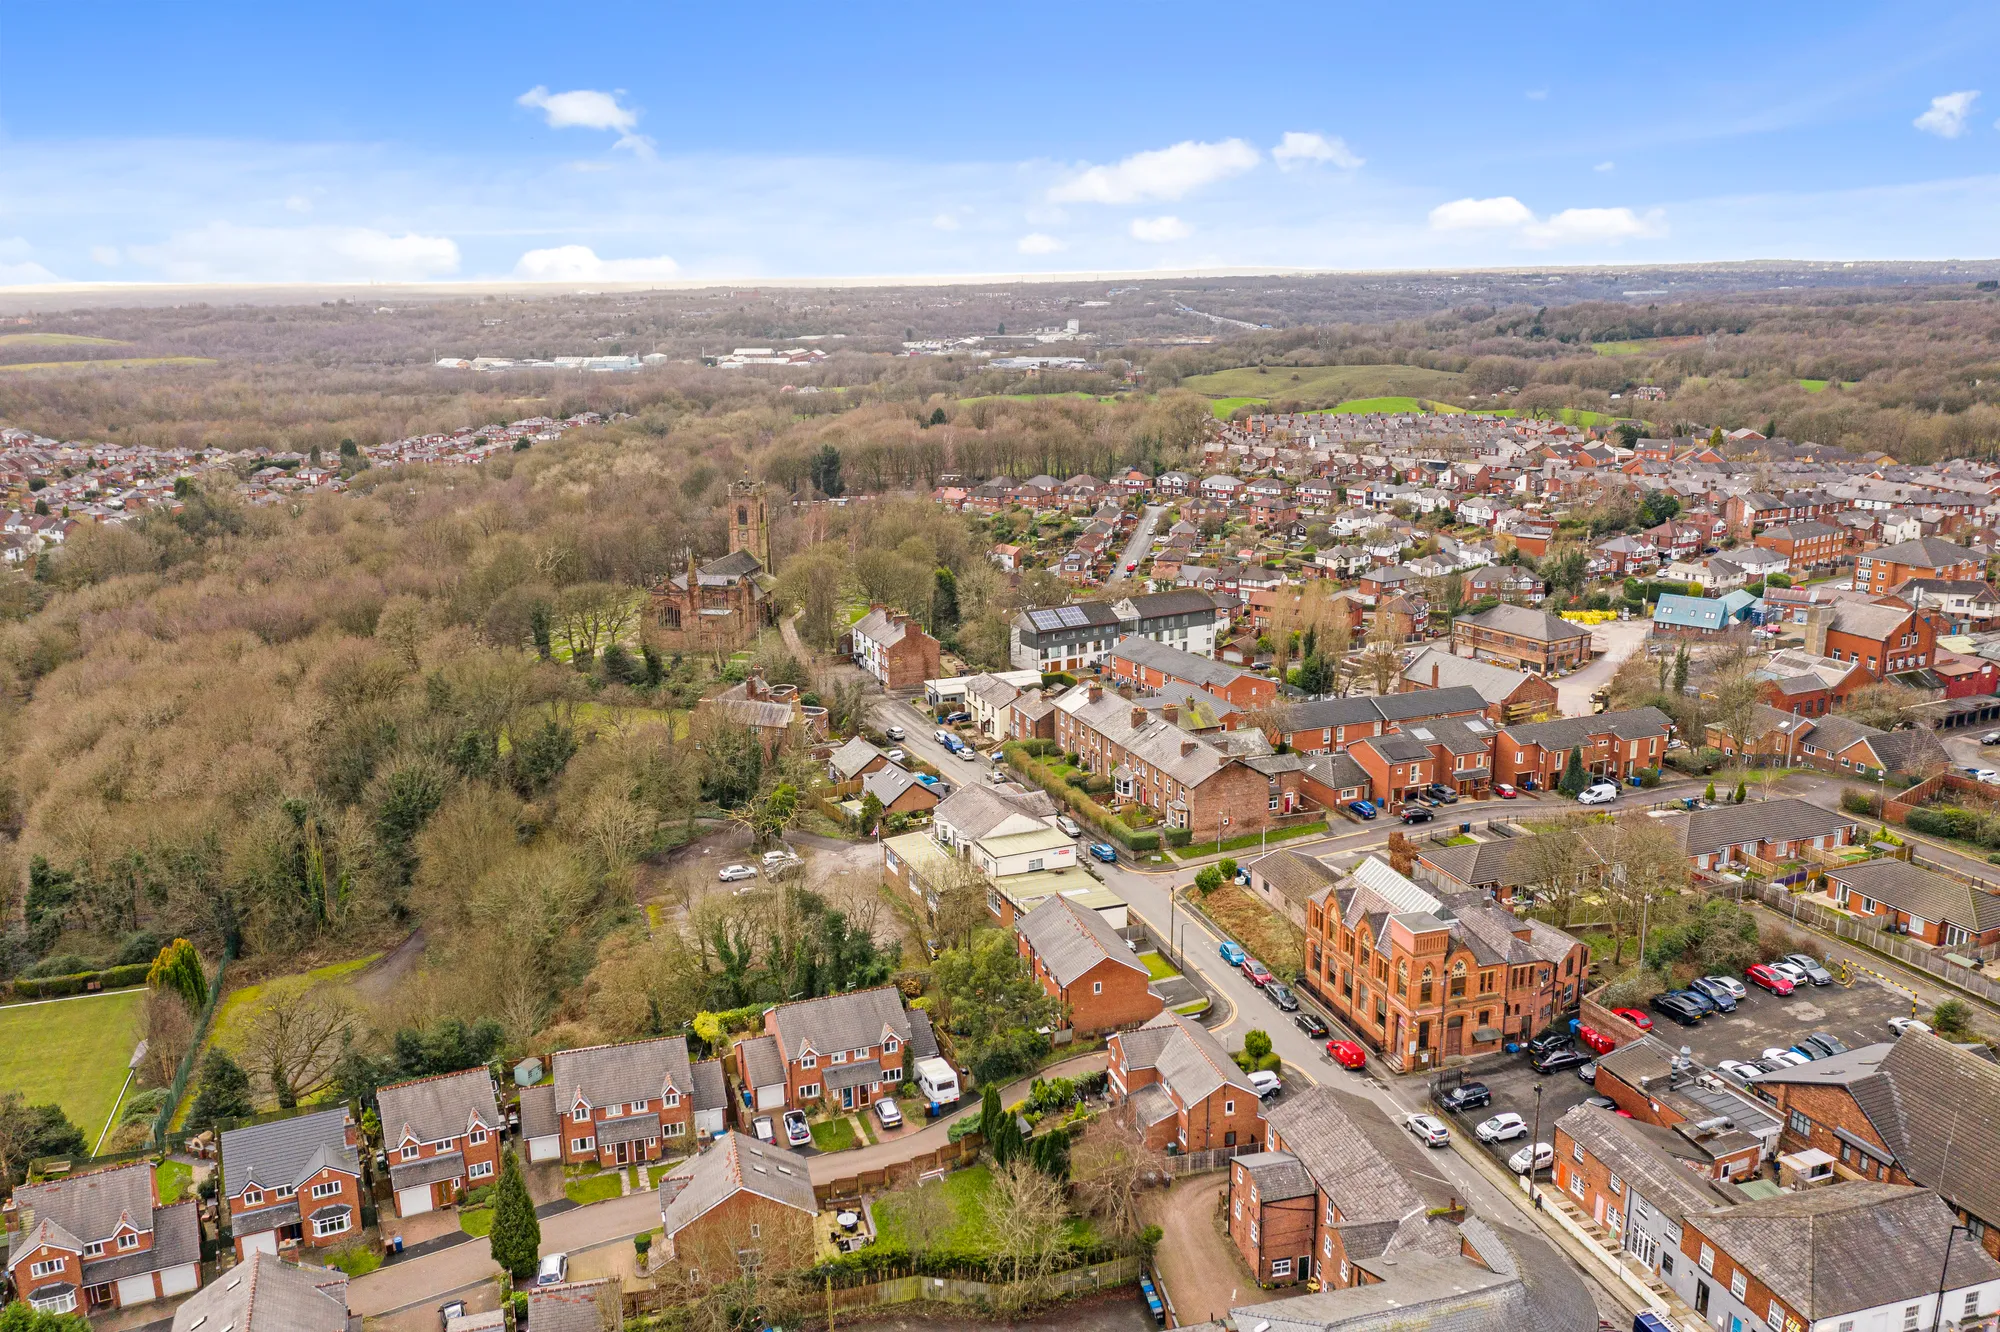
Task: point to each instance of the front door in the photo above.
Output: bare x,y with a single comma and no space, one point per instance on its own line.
847,1098
619,1153
1454,1035
1305,1266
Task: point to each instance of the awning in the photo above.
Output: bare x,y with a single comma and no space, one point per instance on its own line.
852,1075
631,1128
331,1213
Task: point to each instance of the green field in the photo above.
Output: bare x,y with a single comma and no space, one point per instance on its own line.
1324,384
1819,385
119,363
1395,404
239,1008
1222,407
587,1189
57,340
966,1190
72,1052
1158,967
1646,346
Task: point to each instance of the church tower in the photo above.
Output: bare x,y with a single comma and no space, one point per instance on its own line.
749,524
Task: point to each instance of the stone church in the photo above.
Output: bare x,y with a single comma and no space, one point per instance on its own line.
722,604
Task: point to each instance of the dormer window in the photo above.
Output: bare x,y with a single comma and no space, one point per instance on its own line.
890,1045
410,1150
671,1100
478,1136
128,1240
251,1197
808,1061
93,1249
580,1114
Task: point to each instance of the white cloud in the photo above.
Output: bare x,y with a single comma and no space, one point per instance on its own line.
1300,147
298,203
16,268
945,222
1605,166
1480,214
1037,243
106,254
586,108
1588,226
579,263
1537,94
1159,230
1946,118
1161,173
226,252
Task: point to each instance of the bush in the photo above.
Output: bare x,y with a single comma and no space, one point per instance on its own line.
1943,821
1649,778
1861,802
1073,758
1077,777
1097,785
961,1126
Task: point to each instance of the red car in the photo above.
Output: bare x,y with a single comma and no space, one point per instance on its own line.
1347,1054
1596,1040
1258,974
1504,791
1759,974
1643,1021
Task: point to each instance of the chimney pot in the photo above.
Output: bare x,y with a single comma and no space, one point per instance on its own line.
1434,675
1188,747
1096,691
1138,718
1172,712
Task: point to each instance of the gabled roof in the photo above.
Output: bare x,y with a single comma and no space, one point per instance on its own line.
840,1021
1869,621
1495,684
1188,1058
888,783
734,1163
1922,893
266,1294
853,756
286,1152
91,1207
1924,553
573,1306
439,1107
1324,713
617,1074
1526,622
1203,671
1641,1154
1296,876
1569,732
977,810
1782,820
1071,939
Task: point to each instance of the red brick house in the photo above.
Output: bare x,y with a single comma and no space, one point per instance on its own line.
1770,830
1723,1134
293,1183
1510,695
1331,725
1183,1091
843,1050
739,1203
1942,911
1149,665
1612,744
102,1241
1080,962
627,1102
893,648
442,1137
1884,569
1522,638
1884,638
1805,544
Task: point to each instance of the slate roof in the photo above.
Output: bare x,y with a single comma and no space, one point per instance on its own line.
1921,892
287,1151
89,1207
264,1293
841,1021
889,783
1323,713
878,627
1502,863
1495,684
1783,820
1569,732
1841,1248
1924,553
976,810
629,1128
852,757
923,1041
1071,939
711,1087
1338,771
1278,1176
1150,1105
571,1307
176,1242
1295,875
733,1163
1924,1081
439,1107
1869,621
628,1071
427,1170
762,1062
1189,1059
1526,622
1643,1161
539,1117
1351,1150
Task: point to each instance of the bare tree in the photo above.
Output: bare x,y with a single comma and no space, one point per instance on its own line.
1108,1165
297,1038
169,1033
1026,1219
589,616
1559,864
962,890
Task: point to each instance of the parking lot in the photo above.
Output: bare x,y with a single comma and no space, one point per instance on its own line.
1858,1016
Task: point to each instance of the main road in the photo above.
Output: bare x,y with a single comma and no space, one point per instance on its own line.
1140,545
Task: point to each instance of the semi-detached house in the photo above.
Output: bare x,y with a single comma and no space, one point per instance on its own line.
1616,745
1082,963
1183,1091
842,1050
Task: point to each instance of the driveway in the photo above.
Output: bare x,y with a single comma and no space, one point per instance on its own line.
1621,638
1196,1261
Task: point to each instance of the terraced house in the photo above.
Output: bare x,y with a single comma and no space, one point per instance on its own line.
102,1241
442,1137
293,1183
626,1102
1616,745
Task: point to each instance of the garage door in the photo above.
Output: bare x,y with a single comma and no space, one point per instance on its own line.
135,1289
544,1148
179,1280
262,1242
413,1202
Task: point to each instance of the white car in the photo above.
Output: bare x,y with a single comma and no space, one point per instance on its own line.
1544,1157
1429,1131
1737,1068
1986,775
1502,1128
1791,1058
1598,793
784,855
1792,972
1068,826
1266,1083
897,757
1736,988
553,1271
736,873
798,1133
894,733
1904,1025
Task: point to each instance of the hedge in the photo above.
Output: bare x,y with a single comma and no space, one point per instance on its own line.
56,987
1089,810
1951,821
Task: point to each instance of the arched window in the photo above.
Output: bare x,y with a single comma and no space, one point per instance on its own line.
1458,979
742,515
1425,996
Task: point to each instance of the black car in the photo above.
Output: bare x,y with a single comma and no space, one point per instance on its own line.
1825,1044
1416,814
1444,793
1465,1096
1549,1040
1280,994
1678,1007
1310,1024
1567,1056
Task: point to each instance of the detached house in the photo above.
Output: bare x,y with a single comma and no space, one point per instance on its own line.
623,1103
843,1049
293,1183
101,1241
1525,639
1079,961
267,1294
740,1204
1183,1091
1942,911
442,1137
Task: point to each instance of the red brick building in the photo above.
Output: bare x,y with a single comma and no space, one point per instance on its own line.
740,1203
1522,638
1723,1134
626,1102
1615,745
101,1241
1181,1089
842,1050
1148,665
442,1137
893,648
1884,639
1081,963
1805,544
293,1183
1882,570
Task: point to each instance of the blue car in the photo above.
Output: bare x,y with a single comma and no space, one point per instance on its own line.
1105,852
1361,809
1232,953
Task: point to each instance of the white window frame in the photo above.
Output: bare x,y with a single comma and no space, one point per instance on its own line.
252,1197
808,1061
581,1144
94,1249
479,1170
892,1075
477,1136
1097,987
890,1045
673,1128
127,1240
579,1115
326,1188
410,1150
47,1267
1281,1267
840,1056
333,1225
809,1091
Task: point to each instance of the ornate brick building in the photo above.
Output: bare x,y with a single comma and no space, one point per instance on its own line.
722,604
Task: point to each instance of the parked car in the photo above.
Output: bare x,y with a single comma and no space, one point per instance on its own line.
1415,814
1430,1132
1281,994
1795,974
1810,965
1785,1058
553,1271
1717,993
1232,953
1255,972
888,1113
1465,1096
1990,738
1504,791
782,858
1643,1021
798,1133
1598,793
1588,1072
1826,1043
957,717
1436,791
945,738
1566,1057
1266,1083
1761,975
1361,809
449,1310
896,756
765,1130
1675,1005
1309,1022
1904,1025
1542,1155
894,733
998,777
1700,1000
1734,987
1347,1054
1105,852
1547,1041
1739,1068
968,753
736,873
1068,826
1601,1102
1502,1128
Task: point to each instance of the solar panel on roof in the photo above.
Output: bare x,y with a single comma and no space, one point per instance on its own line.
1073,617
1045,619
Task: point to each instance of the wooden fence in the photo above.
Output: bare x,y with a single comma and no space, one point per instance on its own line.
1909,952
911,1288
877,1181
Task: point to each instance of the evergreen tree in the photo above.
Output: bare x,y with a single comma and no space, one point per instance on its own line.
1050,1154
944,602
825,472
1680,668
538,625
178,968
1742,792
938,417
224,1094
655,672
990,1112
1574,778
516,1238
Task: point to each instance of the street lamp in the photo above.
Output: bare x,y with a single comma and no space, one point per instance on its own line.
1534,1148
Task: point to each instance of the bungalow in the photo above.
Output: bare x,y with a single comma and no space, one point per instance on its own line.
1679,616
1288,879
1942,911
899,791
853,760
1768,830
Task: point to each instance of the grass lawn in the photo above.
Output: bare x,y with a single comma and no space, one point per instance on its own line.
1222,407
72,1052
1324,384
174,1179
1192,1007
1646,346
1248,840
1158,967
358,1261
1461,840
966,1190
586,1189
57,340
1269,937
240,1007
122,363
476,1220
834,1135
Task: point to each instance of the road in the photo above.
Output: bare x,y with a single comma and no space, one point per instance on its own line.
1139,546
1621,639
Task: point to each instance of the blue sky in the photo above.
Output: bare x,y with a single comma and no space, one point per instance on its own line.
378,142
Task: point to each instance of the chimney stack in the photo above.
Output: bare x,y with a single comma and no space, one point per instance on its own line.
1434,674
1172,712
1096,691
1188,747
1819,619
1138,718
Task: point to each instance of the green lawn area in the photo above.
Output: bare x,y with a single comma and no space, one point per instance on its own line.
1461,840
57,340
1324,384
1248,840
1819,385
1191,1007
173,1178
72,1052
967,1190
1646,346
1222,407
357,1261
1394,403
240,1007
476,1220
586,1189
834,1135
1158,967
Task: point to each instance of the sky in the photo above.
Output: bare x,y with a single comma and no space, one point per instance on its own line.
369,142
